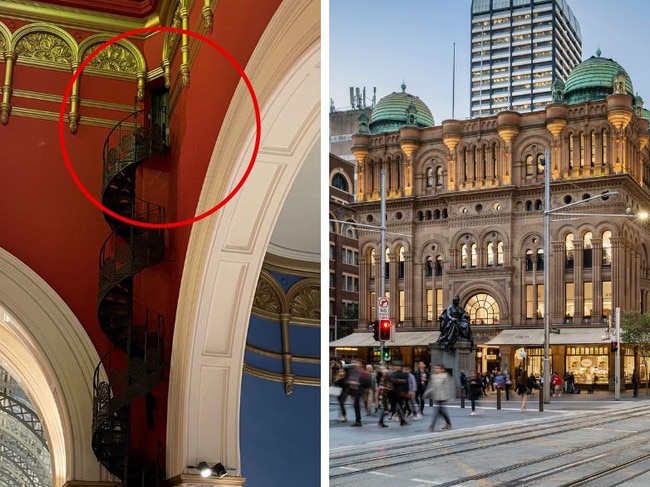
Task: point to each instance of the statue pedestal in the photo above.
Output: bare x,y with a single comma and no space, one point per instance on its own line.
460,359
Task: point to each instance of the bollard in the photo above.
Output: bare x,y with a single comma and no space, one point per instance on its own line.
498,398
462,397
541,399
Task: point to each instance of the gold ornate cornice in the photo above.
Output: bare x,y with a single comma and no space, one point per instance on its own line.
76,18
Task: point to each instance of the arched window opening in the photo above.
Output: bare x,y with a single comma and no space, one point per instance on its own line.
607,247
541,162
464,256
604,147
373,263
587,250
495,157
529,205
436,214
444,213
593,149
474,255
568,251
339,182
529,260
430,177
428,267
500,256
540,259
400,263
420,216
439,180
483,309
438,265
530,168
490,254
465,164
350,231
571,148
582,149
428,215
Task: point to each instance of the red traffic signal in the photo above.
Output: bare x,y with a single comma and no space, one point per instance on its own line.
375,330
384,329
614,346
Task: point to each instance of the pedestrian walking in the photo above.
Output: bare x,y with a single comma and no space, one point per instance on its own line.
341,382
440,389
411,406
522,388
358,381
370,393
474,390
422,378
635,383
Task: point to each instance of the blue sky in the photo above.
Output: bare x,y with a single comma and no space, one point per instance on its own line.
380,43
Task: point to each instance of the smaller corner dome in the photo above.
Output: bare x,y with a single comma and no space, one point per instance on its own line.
391,112
593,79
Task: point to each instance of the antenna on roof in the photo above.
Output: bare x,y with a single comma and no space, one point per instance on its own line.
453,83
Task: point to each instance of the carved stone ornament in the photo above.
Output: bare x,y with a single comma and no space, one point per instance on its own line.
44,46
114,58
307,303
266,298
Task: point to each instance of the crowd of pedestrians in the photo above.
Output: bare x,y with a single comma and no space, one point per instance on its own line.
397,393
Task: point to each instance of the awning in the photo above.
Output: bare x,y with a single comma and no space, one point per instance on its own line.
402,339
567,336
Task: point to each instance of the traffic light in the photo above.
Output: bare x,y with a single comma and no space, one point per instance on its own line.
386,355
375,330
384,329
614,346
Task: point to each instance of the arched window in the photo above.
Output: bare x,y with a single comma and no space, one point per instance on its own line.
530,167
438,265
529,205
495,158
593,148
439,180
436,214
332,227
444,213
538,205
428,267
400,263
604,147
500,257
586,250
464,256
465,164
490,254
474,255
571,147
582,149
428,215
568,251
420,216
373,263
541,162
529,260
607,247
430,177
349,231
540,259
483,309
339,182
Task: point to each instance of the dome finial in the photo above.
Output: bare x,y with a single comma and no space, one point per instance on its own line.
598,52
403,87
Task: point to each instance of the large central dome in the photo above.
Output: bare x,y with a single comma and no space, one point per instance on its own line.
593,80
395,111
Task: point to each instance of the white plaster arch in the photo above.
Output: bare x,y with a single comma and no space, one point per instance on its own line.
48,351
226,251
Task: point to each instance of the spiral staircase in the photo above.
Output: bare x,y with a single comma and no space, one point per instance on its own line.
133,367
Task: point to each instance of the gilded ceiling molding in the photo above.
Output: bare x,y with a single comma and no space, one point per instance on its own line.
5,39
269,300
121,59
304,297
36,44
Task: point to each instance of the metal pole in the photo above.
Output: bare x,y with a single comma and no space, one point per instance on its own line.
617,358
547,287
382,248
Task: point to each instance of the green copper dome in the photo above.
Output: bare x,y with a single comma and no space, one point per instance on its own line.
593,80
397,110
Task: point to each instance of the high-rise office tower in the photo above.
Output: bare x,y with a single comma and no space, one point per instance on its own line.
519,48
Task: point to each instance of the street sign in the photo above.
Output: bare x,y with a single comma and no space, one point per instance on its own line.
383,308
555,330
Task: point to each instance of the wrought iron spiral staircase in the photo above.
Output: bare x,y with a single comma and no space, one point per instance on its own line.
133,366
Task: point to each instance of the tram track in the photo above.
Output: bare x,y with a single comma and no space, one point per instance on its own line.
421,451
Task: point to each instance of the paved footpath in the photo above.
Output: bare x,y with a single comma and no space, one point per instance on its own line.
343,436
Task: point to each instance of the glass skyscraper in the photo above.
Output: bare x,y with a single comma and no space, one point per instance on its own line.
519,48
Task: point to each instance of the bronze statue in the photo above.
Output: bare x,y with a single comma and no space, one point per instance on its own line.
454,325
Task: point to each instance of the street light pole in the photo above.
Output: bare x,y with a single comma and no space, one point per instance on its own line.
617,357
547,288
382,250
